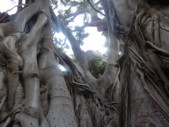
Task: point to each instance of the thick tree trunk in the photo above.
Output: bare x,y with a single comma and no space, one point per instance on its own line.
61,109
143,73
34,92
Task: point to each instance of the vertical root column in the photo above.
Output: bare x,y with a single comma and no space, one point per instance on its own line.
30,115
61,109
30,78
10,62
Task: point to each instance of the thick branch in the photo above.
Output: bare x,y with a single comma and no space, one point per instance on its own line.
34,36
26,14
75,47
110,70
29,11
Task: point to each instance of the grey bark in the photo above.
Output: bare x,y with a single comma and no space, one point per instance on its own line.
143,80
35,93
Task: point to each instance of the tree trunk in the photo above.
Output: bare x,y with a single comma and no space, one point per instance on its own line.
132,92
143,73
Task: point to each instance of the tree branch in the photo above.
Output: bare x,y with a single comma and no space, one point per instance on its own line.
110,69
93,7
19,7
79,54
78,12
28,12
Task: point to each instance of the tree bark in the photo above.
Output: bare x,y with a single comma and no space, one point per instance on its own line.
142,78
34,92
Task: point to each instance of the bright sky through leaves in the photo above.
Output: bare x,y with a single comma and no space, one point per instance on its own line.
7,5
95,41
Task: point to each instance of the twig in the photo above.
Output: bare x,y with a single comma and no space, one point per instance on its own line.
15,7
95,8
63,43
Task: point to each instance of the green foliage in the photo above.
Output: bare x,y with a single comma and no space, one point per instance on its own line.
97,66
80,34
74,59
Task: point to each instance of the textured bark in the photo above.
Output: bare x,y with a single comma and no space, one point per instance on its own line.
132,92
61,111
143,80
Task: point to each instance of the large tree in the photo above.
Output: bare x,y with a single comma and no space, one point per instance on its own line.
133,91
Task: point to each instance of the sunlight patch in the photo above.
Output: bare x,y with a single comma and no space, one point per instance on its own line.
62,68
95,41
59,35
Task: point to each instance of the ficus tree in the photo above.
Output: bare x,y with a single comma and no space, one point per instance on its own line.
133,90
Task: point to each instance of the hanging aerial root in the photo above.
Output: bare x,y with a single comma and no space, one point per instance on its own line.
30,76
12,60
9,61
